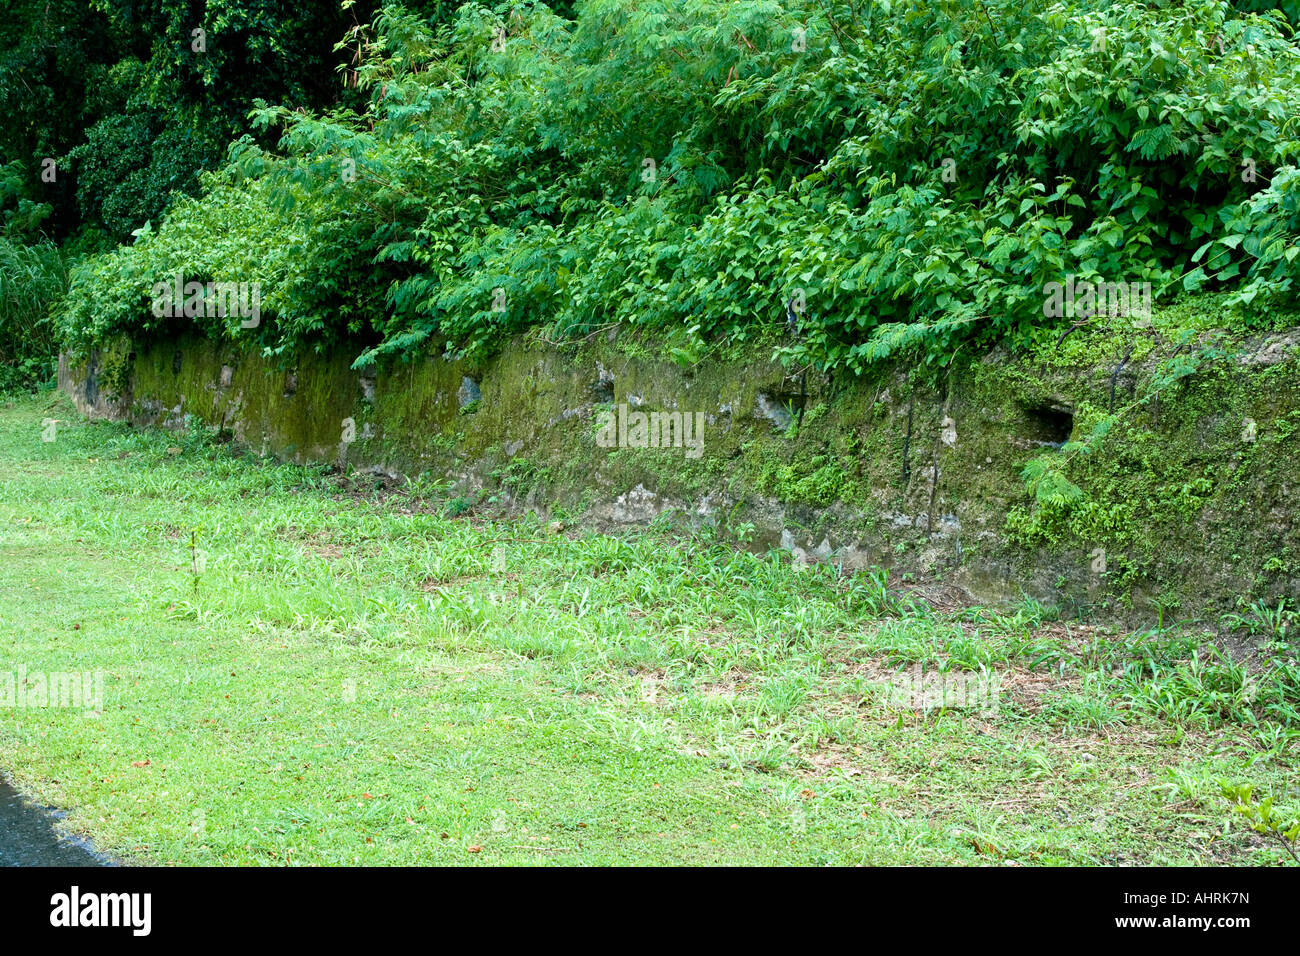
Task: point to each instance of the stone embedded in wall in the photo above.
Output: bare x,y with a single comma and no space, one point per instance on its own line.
948,433
177,417
778,415
805,555
468,393
636,506
1274,349
713,503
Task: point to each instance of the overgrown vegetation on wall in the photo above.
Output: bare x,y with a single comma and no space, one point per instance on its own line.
911,174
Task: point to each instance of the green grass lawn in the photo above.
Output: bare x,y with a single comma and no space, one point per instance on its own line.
355,678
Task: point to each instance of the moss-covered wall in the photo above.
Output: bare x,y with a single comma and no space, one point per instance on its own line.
1186,504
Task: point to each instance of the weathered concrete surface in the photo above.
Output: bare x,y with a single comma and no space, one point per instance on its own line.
1188,502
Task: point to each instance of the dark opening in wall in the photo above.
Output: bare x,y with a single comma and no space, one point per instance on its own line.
603,390
1050,425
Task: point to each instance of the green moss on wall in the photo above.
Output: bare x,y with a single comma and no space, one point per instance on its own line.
916,468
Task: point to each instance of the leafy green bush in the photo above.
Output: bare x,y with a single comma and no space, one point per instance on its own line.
911,174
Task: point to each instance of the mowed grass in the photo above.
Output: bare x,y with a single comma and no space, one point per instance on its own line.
356,678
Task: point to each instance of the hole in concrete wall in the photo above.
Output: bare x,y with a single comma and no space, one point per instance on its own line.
603,387
782,403
1050,425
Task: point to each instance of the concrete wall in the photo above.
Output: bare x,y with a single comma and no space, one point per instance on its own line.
1189,502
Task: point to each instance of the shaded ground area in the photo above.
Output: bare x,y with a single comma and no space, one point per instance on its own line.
28,838
295,672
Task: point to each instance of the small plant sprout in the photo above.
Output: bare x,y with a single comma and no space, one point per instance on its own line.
1264,817
198,560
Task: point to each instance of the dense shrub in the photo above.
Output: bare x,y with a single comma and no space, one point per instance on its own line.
913,173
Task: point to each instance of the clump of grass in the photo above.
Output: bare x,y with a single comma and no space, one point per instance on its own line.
32,280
